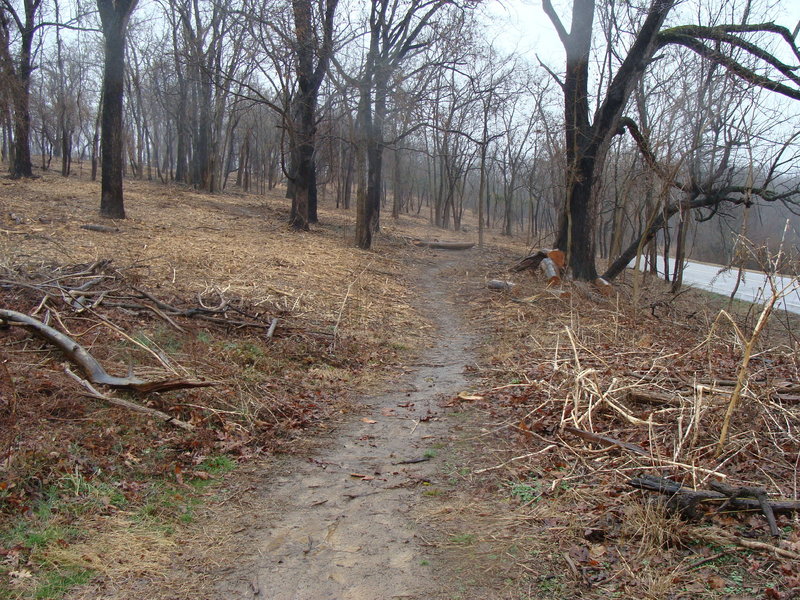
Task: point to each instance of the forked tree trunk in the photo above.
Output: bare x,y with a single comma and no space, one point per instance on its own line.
587,142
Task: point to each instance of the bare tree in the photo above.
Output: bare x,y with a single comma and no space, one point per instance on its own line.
304,105
18,74
396,29
588,138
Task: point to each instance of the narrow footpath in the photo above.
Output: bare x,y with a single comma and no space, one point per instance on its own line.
343,524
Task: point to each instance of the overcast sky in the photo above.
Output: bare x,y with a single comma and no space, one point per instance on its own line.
522,25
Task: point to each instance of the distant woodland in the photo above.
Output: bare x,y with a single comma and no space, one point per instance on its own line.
667,128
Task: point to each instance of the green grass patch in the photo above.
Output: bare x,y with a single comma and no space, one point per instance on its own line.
525,492
61,518
57,582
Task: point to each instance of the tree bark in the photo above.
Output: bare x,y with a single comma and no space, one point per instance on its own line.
304,107
114,17
19,77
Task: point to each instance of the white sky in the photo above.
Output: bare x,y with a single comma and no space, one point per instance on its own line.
522,25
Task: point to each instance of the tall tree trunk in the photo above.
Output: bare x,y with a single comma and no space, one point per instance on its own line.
364,208
309,79
302,159
22,165
114,15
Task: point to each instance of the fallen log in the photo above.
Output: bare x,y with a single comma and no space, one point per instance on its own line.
668,487
92,369
437,245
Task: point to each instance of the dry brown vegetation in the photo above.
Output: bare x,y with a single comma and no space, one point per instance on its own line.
94,491
345,319
543,513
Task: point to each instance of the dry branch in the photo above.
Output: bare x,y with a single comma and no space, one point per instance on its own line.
93,370
672,488
605,440
93,393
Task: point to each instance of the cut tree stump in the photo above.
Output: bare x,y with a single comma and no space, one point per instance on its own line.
550,261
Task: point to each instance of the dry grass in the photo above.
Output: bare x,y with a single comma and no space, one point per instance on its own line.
346,321
654,376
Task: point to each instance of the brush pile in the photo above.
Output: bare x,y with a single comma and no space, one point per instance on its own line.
585,395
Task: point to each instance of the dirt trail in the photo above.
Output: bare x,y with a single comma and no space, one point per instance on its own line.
335,536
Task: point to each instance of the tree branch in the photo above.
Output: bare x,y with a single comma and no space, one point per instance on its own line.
547,6
671,37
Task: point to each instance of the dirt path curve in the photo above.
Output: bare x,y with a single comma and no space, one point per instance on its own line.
333,536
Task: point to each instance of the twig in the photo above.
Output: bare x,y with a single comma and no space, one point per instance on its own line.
605,439
752,544
344,302
516,458
272,326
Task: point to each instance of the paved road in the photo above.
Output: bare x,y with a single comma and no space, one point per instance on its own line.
708,277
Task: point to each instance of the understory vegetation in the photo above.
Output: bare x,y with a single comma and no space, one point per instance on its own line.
85,481
575,395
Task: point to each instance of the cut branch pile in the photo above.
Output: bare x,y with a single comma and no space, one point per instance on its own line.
590,393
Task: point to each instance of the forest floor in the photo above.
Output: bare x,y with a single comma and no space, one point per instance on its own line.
403,432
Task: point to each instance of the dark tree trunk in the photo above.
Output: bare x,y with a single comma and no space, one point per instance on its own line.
66,152
302,159
19,78
114,16
375,155
587,143
181,124
680,254
304,128
302,170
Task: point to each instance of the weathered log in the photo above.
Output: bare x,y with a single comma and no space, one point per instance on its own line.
436,244
759,494
92,369
671,488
